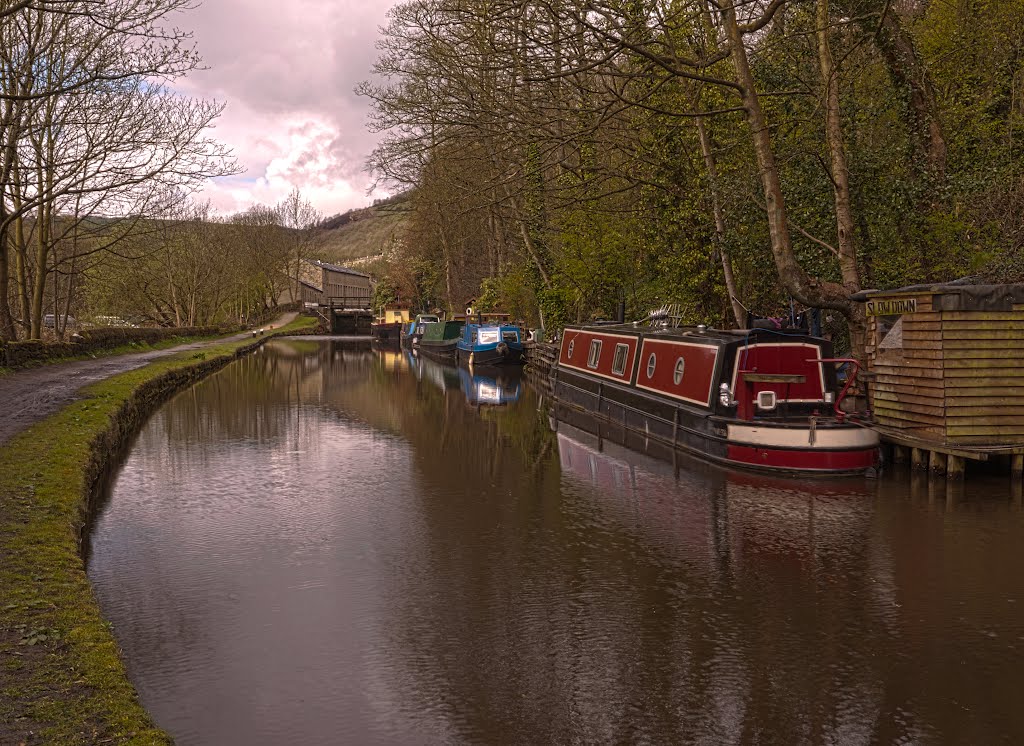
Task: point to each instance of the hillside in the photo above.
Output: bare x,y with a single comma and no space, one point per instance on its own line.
363,234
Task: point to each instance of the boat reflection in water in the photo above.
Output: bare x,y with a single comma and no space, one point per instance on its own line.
494,387
393,360
664,496
723,537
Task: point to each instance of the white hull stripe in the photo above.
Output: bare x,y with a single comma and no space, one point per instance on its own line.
853,438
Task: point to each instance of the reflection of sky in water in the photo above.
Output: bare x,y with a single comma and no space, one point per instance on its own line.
322,545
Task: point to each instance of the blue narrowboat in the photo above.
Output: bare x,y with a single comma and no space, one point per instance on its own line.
490,340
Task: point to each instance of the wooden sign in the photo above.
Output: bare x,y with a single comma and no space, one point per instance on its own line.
891,307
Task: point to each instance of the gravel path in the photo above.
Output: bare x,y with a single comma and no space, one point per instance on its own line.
28,396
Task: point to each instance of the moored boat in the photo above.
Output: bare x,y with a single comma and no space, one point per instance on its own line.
760,398
387,324
490,340
413,330
439,340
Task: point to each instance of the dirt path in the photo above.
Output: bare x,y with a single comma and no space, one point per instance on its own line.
28,396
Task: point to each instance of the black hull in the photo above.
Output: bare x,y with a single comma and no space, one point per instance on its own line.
490,357
444,351
691,429
386,333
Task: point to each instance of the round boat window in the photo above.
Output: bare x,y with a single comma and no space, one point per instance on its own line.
680,370
572,346
652,362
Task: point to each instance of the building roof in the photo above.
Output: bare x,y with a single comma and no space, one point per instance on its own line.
959,295
343,270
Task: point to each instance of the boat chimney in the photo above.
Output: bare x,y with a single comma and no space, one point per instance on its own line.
620,312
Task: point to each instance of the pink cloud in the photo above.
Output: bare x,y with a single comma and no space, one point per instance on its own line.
287,73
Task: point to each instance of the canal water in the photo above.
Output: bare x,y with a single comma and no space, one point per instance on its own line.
323,544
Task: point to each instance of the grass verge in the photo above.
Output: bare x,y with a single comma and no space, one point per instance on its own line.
61,676
125,349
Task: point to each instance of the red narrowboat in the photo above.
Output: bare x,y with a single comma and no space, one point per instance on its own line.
765,399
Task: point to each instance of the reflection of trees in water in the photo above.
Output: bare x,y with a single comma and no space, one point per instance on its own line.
753,593
669,609
616,598
833,623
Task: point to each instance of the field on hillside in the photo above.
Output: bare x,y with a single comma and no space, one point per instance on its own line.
370,233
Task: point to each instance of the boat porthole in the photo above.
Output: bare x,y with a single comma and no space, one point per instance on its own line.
680,370
572,346
652,362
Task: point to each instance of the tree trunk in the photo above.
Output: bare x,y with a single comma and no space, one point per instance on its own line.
531,247
39,281
6,321
909,73
446,248
808,290
71,293
845,226
22,270
738,311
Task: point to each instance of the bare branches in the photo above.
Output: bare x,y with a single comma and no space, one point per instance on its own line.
52,6
90,130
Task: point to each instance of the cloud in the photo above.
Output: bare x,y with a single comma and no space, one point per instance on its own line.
286,72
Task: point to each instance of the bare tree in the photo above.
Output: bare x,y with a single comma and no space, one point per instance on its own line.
300,218
94,132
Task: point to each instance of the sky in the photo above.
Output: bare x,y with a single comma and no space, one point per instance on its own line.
287,73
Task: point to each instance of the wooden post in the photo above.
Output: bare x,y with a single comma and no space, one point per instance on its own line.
900,454
919,486
954,493
955,467
1017,465
937,462
918,458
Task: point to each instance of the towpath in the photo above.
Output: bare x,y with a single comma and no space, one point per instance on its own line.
28,396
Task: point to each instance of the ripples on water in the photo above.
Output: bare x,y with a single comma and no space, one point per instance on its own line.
324,545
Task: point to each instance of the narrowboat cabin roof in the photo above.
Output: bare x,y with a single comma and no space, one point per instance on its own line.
697,332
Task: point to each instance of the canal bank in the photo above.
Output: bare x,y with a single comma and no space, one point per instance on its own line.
61,678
